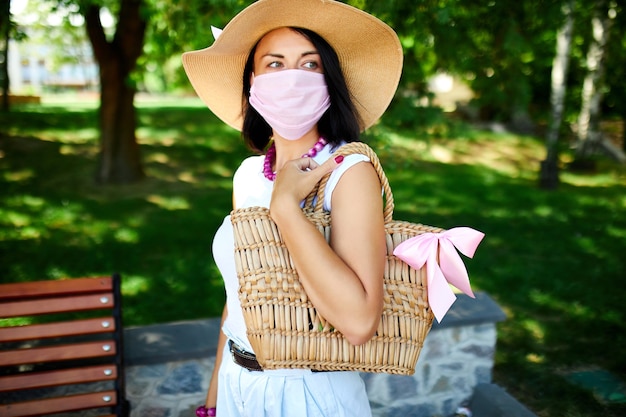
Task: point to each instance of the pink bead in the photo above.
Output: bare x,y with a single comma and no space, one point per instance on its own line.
202,411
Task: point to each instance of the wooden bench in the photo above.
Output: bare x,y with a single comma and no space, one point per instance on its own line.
62,362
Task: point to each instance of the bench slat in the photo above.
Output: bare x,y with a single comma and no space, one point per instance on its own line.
55,287
56,305
32,380
60,329
57,353
58,405
61,352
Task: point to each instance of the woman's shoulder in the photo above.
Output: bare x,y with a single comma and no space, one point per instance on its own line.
251,161
348,162
250,187
335,148
250,165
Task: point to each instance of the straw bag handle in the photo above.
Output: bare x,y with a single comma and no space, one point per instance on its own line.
349,149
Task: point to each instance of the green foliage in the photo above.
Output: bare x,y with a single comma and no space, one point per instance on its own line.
406,116
176,27
503,50
60,24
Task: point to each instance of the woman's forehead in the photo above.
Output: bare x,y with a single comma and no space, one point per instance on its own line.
283,38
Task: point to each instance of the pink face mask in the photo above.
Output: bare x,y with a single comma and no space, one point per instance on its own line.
291,101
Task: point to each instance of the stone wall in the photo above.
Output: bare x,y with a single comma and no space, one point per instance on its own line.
458,354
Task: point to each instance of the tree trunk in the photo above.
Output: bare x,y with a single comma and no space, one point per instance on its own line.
549,175
119,159
5,32
589,117
605,144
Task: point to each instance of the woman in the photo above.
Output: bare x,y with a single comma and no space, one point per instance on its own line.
313,74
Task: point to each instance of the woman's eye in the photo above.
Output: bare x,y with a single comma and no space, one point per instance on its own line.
274,64
311,65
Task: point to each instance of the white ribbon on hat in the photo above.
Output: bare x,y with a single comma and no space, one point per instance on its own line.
216,32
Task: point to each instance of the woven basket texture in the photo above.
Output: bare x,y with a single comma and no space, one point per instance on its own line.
284,328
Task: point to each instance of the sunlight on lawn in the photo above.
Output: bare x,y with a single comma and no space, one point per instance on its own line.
571,308
135,284
126,235
535,358
535,329
169,203
19,176
597,180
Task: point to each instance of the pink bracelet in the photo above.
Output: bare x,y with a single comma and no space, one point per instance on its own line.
202,411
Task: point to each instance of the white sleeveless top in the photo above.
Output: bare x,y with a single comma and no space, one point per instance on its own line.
251,189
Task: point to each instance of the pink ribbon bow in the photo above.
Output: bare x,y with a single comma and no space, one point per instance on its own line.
423,249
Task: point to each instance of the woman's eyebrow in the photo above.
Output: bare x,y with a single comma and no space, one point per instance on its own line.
273,55
276,55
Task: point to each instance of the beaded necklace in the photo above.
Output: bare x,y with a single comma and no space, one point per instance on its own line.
270,155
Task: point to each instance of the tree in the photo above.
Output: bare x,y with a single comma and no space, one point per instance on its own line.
119,59
549,176
589,135
119,159
614,103
5,36
185,23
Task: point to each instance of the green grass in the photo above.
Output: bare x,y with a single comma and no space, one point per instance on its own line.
554,261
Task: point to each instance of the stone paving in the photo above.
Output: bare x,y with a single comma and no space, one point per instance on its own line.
173,389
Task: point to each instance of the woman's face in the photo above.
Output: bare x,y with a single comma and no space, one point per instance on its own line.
283,49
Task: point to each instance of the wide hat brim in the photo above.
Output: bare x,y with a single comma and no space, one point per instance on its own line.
369,52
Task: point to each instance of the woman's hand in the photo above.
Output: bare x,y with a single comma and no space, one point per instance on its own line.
296,179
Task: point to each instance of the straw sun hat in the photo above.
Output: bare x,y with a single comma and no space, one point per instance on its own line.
369,52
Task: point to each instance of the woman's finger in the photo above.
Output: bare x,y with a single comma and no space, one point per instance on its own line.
306,164
327,166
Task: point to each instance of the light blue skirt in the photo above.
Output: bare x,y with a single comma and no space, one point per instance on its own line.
289,393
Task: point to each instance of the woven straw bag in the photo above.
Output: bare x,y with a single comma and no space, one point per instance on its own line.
284,328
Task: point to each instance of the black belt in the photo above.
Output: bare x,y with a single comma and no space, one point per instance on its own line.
247,360
244,359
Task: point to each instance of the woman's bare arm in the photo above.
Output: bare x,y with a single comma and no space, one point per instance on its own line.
211,398
344,280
